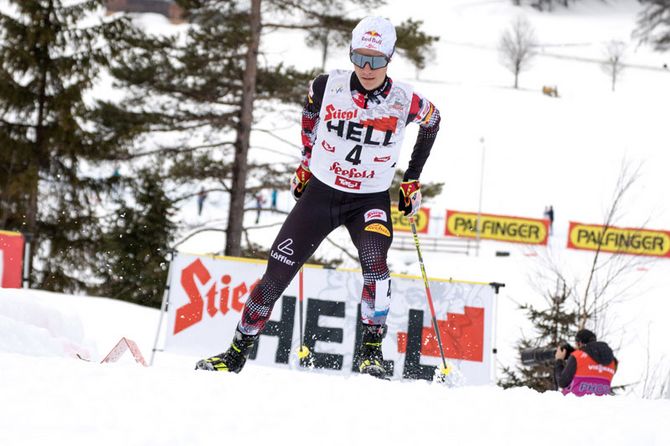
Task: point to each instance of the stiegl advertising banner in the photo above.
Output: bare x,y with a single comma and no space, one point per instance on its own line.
207,294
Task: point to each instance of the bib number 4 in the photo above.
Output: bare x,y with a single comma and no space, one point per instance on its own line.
354,157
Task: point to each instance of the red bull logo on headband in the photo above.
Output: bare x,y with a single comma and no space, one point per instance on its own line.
375,33
371,39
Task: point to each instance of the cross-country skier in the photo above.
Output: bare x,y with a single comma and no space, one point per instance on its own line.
353,125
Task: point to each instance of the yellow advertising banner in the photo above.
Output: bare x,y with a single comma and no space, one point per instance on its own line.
401,223
503,228
634,241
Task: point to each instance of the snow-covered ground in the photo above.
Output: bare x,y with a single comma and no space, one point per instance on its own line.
539,150
51,397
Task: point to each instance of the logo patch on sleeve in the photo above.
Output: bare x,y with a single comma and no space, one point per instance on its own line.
378,228
375,214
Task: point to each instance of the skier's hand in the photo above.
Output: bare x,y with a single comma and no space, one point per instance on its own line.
409,200
299,181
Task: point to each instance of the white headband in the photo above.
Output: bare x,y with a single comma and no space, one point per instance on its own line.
374,33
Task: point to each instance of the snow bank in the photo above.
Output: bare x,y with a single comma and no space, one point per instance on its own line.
48,397
30,326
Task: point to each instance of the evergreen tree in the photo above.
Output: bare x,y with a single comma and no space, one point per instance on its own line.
207,88
553,325
190,90
136,245
50,53
653,24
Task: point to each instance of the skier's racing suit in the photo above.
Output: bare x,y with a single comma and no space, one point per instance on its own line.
351,142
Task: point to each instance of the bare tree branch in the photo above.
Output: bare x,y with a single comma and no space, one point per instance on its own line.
614,57
516,47
177,150
625,181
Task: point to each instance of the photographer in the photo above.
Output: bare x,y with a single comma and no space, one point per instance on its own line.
589,369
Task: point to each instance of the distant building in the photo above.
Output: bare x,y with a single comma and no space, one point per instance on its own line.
167,8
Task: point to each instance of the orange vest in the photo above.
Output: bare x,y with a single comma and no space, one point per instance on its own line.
590,377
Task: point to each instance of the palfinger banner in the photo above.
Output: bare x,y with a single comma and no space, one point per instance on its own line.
633,241
401,222
11,259
503,228
207,294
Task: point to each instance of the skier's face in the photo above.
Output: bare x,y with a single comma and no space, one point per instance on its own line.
369,78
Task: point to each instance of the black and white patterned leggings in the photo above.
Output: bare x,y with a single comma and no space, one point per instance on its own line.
319,211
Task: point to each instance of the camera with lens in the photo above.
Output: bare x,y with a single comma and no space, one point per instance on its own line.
532,356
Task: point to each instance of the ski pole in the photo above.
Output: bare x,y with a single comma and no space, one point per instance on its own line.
445,369
303,352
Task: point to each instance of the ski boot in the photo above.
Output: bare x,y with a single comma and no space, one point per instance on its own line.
371,360
234,358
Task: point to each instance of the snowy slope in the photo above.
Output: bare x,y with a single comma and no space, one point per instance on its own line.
48,397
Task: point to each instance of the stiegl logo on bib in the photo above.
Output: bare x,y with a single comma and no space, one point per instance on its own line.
336,113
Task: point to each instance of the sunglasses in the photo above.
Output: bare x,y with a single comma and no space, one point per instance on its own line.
375,62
